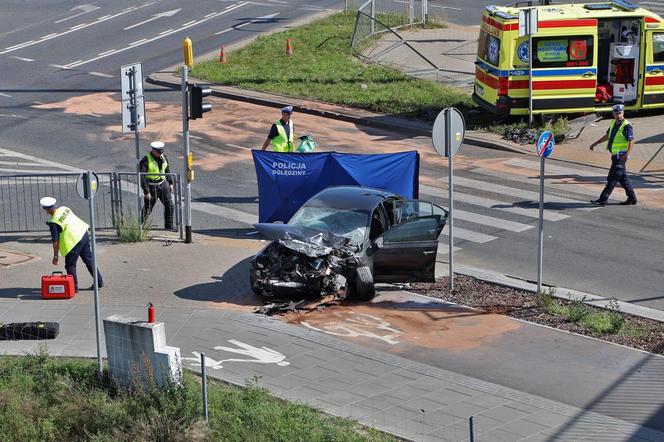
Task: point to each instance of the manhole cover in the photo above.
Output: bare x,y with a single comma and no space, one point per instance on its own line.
11,258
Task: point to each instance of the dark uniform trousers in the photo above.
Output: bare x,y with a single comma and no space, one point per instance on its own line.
82,249
163,193
617,174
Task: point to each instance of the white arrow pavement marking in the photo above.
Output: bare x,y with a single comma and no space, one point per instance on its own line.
77,28
262,19
150,40
84,8
170,13
262,355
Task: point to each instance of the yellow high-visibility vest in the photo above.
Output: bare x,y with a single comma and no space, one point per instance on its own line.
73,228
153,168
620,143
281,143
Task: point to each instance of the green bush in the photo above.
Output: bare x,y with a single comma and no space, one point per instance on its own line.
577,310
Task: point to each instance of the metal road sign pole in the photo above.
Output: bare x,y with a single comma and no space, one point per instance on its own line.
540,250
530,69
450,216
185,152
135,122
91,195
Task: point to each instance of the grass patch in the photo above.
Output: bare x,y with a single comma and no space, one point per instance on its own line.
129,229
323,68
608,321
49,399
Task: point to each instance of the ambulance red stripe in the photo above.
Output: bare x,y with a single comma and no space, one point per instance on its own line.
654,81
549,85
567,23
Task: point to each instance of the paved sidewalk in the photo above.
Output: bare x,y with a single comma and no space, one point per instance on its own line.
205,305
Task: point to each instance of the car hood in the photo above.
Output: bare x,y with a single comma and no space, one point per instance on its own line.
311,242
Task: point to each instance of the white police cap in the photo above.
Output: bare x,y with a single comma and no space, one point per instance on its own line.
47,201
618,108
287,109
157,145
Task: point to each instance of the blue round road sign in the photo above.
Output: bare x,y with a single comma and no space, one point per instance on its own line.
545,144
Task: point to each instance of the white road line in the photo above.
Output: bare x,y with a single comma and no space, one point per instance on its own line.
497,223
225,212
100,74
32,42
470,235
20,163
514,192
236,146
491,204
59,66
170,13
189,23
104,17
239,5
107,52
211,13
14,116
550,168
73,28
38,160
18,45
548,182
133,43
48,36
68,66
16,57
166,31
5,95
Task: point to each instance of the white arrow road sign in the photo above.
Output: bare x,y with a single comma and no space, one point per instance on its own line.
155,17
84,8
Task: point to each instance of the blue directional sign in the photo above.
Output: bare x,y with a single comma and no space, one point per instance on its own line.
545,144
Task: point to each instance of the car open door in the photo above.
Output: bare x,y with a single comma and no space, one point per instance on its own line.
407,251
653,85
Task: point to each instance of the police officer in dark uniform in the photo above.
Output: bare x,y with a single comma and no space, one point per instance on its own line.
155,185
621,141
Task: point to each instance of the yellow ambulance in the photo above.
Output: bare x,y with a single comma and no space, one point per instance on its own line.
586,58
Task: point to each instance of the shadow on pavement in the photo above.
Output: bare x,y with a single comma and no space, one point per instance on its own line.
231,288
248,233
27,293
637,397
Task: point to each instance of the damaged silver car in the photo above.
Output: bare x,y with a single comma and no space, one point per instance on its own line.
345,239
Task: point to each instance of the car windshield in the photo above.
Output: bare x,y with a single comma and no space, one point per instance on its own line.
347,223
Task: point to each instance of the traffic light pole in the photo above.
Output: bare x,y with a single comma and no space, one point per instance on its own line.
185,137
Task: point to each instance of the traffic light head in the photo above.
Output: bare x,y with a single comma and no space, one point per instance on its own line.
197,106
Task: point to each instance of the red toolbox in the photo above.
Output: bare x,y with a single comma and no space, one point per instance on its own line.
58,286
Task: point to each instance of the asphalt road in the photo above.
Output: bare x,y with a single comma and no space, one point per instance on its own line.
615,251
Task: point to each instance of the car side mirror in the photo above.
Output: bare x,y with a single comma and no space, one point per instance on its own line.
378,243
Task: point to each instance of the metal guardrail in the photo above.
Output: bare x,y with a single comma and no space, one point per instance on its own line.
115,197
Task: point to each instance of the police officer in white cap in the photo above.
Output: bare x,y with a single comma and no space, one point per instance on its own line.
69,235
155,184
281,133
620,136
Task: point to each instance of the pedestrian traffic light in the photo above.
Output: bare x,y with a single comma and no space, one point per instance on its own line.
196,104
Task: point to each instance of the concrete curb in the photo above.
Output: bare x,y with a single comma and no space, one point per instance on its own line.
561,293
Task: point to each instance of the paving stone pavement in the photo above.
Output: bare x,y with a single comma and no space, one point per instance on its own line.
410,399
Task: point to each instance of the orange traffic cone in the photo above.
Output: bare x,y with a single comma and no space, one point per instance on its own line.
289,47
222,55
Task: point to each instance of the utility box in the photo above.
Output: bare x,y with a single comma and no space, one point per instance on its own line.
137,352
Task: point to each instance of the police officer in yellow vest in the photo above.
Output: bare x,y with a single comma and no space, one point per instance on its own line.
281,132
621,141
157,187
69,235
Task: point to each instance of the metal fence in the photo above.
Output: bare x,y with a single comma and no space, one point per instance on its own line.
396,14
116,197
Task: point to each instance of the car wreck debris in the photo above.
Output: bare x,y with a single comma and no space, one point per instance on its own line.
304,267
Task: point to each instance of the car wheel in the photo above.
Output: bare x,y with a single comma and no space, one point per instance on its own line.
364,289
